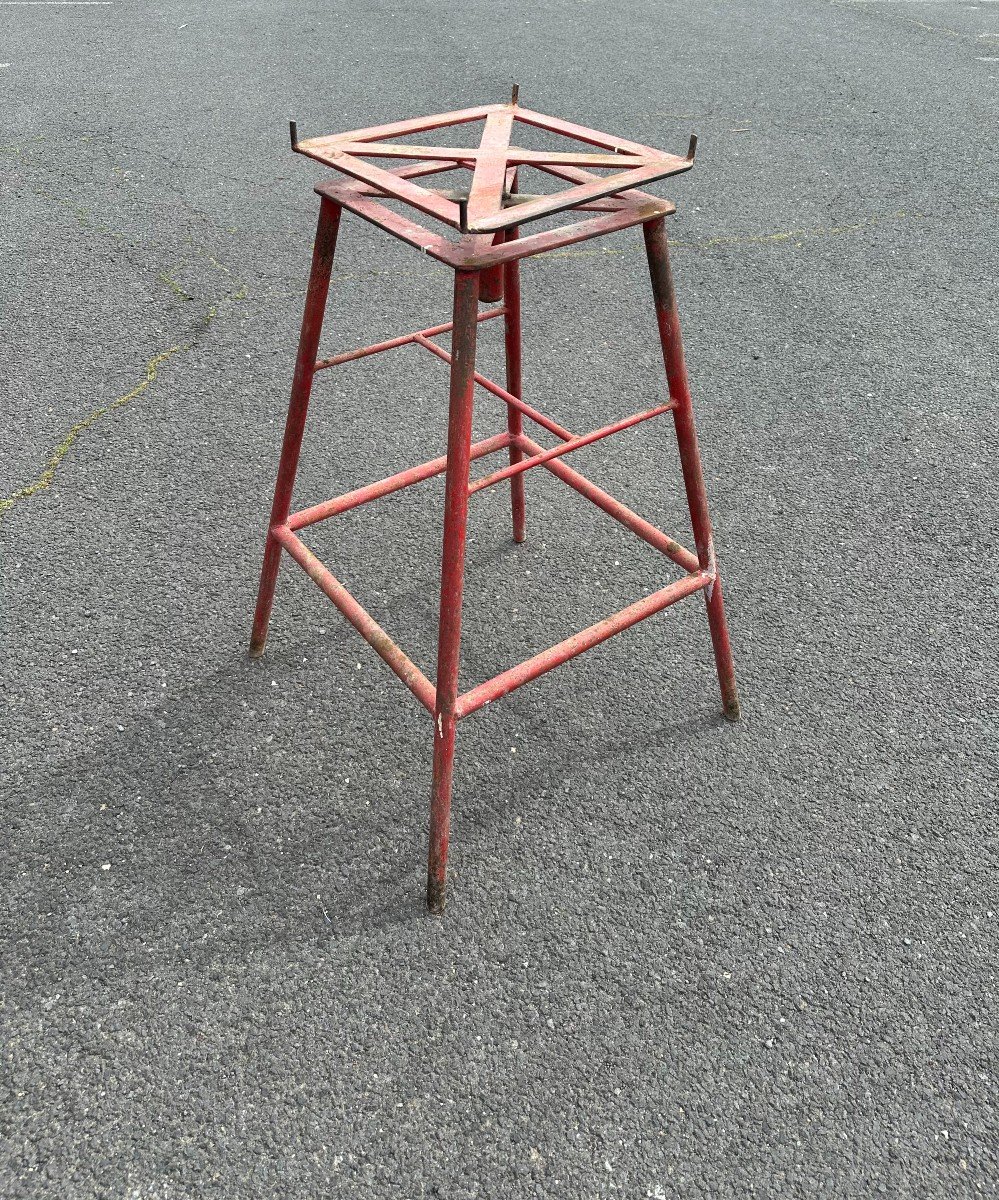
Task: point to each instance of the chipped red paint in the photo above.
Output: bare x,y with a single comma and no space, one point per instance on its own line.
459,437
298,408
486,261
668,320
514,383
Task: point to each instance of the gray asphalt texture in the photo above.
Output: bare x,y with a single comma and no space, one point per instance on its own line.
681,958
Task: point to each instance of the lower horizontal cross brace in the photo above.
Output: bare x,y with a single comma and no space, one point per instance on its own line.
507,681
515,677
576,443
363,622
394,483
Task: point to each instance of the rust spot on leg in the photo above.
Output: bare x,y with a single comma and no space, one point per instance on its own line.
436,897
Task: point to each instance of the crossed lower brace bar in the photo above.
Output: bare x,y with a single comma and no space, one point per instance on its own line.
444,701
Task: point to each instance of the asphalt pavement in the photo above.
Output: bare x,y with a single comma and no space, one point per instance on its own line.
682,957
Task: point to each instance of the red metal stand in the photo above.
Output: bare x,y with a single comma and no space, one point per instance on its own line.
486,261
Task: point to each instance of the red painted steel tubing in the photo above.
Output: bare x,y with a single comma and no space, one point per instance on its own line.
459,438
668,321
394,483
360,618
487,188
298,408
372,210
587,439
512,344
413,125
404,340
555,239
595,188
614,508
538,417
517,676
492,280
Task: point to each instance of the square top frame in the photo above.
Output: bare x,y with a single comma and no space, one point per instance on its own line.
491,204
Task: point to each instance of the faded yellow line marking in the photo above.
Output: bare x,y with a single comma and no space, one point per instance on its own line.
174,286
874,8
749,239
55,460
45,479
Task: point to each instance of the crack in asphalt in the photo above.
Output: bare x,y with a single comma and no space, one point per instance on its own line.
869,10
55,459
45,478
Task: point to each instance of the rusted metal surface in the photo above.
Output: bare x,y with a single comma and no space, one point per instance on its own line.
485,208
614,508
408,126
486,261
587,439
558,239
485,196
607,185
491,289
363,622
668,320
405,340
394,483
298,408
459,437
504,394
507,681
491,163
514,382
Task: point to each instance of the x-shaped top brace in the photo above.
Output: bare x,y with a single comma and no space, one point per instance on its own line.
484,210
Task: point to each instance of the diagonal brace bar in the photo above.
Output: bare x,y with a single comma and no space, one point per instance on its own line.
539,418
614,508
594,189
517,676
577,443
363,622
405,339
385,487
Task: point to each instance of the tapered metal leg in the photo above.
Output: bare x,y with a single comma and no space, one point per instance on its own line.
298,407
690,460
459,438
491,281
514,385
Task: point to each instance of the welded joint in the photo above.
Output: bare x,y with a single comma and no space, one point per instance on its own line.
507,681
578,443
712,567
